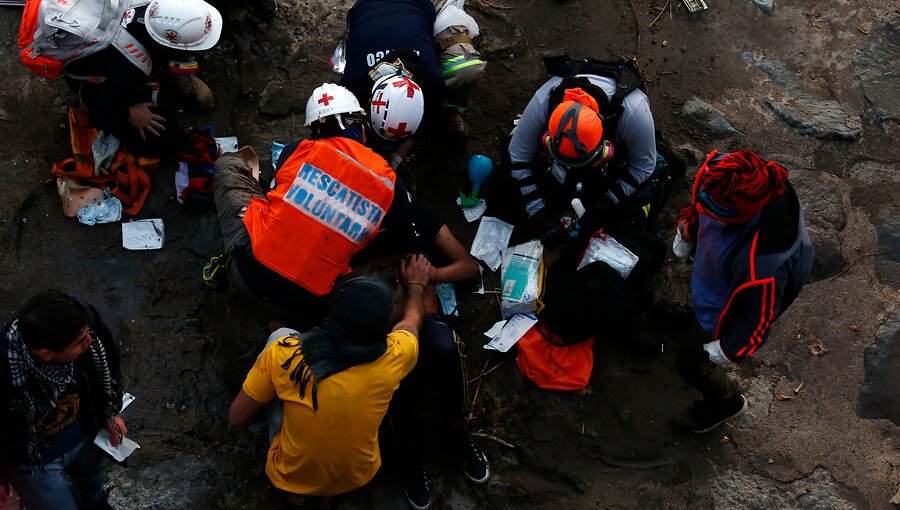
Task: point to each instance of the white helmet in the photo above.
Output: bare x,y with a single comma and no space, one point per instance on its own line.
396,107
330,99
183,24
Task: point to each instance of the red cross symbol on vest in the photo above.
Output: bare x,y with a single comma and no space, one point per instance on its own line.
378,103
411,87
325,99
398,131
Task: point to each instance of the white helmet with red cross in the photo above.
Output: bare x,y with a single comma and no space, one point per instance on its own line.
397,107
330,99
183,24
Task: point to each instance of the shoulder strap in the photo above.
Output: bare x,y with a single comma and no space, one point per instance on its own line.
625,71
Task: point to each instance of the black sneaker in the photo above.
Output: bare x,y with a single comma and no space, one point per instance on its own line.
214,273
419,488
704,415
474,462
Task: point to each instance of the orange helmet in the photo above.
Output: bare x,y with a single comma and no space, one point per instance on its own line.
575,132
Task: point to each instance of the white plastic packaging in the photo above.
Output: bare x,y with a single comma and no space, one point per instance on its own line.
520,279
604,248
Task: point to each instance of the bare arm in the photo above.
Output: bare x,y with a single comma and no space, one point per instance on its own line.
242,409
414,271
462,266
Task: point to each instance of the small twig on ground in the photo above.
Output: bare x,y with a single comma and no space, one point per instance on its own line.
637,29
661,11
478,386
495,367
504,64
864,255
494,438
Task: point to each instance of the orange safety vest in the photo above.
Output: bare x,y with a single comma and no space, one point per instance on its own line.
329,199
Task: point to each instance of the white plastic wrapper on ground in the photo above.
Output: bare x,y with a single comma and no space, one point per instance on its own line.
143,234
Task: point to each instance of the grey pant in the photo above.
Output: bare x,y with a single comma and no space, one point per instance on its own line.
233,188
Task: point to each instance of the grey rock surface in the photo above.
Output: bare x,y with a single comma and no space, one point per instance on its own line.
710,117
810,115
880,396
817,491
879,73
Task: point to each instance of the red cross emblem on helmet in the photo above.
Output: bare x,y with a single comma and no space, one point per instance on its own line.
378,103
325,99
398,131
171,36
411,87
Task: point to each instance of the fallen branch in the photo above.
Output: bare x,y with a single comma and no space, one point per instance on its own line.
494,438
864,255
661,11
478,387
495,367
504,64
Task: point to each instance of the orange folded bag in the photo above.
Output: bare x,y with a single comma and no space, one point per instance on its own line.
554,367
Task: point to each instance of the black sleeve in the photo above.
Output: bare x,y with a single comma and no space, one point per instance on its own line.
427,223
285,154
108,102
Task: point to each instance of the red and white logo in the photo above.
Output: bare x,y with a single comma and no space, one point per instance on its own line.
127,18
172,36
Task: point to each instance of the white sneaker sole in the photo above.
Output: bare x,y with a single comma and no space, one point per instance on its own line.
741,411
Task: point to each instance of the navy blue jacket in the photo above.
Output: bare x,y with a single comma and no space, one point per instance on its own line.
376,28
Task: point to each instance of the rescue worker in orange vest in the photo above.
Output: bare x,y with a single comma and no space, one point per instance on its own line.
286,248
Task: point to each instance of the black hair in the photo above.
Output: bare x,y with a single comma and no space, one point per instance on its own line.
325,128
52,320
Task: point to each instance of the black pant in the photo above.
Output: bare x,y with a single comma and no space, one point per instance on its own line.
697,370
438,370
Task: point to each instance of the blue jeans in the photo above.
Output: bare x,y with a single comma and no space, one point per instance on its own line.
85,466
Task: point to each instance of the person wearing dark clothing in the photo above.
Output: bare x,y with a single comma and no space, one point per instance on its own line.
131,91
752,255
439,373
385,30
60,382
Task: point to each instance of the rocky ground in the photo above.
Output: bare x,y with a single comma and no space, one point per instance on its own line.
814,85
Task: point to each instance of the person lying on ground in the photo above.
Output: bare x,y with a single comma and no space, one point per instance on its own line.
752,255
60,383
132,87
328,389
439,373
400,75
287,247
587,133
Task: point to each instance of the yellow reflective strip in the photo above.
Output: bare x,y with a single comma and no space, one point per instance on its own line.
462,66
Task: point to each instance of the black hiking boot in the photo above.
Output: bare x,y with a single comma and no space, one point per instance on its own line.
704,415
473,461
418,488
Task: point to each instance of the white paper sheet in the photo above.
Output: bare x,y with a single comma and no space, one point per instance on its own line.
126,448
495,329
127,399
514,329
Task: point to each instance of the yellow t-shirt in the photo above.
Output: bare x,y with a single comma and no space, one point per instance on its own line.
333,450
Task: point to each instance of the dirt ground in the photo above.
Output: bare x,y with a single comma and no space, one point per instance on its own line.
814,85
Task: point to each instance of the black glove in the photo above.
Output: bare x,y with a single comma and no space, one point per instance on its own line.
554,236
598,214
543,220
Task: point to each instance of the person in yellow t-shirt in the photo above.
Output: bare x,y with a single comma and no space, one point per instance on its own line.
335,383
